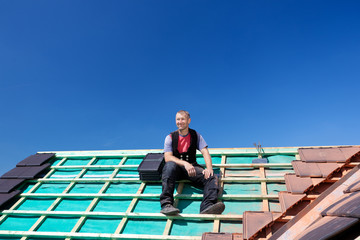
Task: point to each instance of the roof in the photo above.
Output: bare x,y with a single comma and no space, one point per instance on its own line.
98,195
320,201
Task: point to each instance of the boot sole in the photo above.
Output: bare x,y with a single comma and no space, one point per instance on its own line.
217,208
170,213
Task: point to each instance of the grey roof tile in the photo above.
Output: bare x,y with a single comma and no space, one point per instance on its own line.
36,159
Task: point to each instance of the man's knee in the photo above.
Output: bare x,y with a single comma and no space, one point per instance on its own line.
169,170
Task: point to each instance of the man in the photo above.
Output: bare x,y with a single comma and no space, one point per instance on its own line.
180,163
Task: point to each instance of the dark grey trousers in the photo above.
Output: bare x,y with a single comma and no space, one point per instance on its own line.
173,172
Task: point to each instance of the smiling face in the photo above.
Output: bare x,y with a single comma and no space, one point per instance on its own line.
182,121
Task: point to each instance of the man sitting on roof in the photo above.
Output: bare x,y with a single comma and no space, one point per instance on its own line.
180,163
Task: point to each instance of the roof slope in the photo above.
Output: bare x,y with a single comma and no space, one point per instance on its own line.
317,195
98,194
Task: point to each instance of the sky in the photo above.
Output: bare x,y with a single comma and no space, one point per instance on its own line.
111,75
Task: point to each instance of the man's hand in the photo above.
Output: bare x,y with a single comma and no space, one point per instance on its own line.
208,173
190,169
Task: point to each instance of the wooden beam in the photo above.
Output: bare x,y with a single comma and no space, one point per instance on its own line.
265,205
169,222
148,196
125,214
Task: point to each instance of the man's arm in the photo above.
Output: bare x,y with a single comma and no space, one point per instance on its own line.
209,170
189,167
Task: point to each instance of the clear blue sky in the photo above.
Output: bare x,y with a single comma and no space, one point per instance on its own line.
104,75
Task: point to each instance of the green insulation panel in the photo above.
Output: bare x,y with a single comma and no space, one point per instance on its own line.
98,195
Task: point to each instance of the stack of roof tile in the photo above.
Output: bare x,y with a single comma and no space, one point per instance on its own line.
29,168
318,169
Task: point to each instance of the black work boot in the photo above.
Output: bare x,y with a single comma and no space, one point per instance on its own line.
169,209
216,208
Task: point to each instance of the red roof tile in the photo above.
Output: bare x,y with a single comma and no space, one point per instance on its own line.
296,184
289,199
327,154
253,221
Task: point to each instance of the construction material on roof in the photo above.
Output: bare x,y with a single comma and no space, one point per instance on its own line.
5,197
150,168
319,195
25,172
253,221
7,185
36,159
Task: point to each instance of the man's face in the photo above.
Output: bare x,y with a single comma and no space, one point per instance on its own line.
182,121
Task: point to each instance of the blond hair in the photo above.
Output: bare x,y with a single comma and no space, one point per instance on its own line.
186,113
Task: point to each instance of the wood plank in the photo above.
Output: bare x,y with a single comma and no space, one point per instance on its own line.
94,235
122,224
216,226
176,202
265,202
148,196
125,214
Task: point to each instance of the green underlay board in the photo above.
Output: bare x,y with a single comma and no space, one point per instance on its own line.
249,172
86,188
100,225
215,160
275,188
36,204
153,188
145,226
58,224
65,173
239,206
26,187
191,227
18,223
104,173
52,188
76,161
55,162
231,226
129,172
133,160
189,206
107,161
80,204
147,206
274,206
128,188
242,188
97,190
112,205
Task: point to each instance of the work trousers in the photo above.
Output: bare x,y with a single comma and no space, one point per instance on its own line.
173,172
